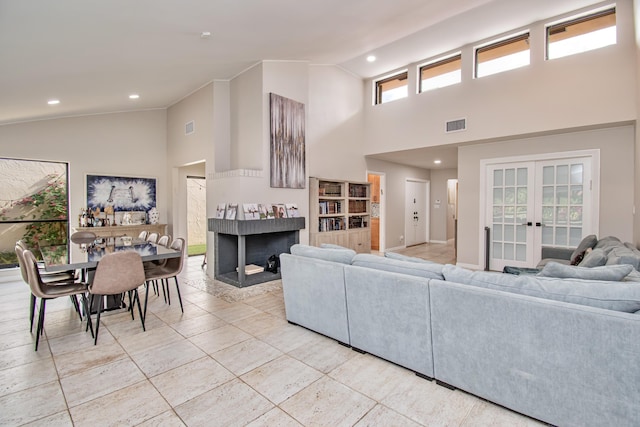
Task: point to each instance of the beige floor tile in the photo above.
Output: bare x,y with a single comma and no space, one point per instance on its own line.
287,337
145,341
20,338
61,328
427,403
219,338
26,376
198,325
383,416
100,381
485,413
231,404
260,323
245,356
208,302
126,407
129,327
173,313
326,402
79,361
371,376
193,379
79,341
166,419
32,404
22,355
237,311
281,378
323,354
61,419
161,359
275,417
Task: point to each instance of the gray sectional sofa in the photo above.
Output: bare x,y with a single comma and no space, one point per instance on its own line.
564,351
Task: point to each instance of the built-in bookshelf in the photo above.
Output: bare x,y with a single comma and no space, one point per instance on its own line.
340,213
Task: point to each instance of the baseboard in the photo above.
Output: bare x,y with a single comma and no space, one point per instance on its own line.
441,242
469,266
10,275
397,248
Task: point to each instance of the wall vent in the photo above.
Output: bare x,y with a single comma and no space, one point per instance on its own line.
190,127
456,125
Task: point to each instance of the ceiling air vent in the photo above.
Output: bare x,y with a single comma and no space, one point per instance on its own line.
189,128
456,125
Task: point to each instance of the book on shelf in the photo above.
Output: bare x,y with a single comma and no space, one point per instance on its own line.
292,210
220,210
328,207
251,269
250,211
279,211
264,211
231,211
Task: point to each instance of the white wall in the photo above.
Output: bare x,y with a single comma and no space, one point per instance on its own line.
123,144
616,147
585,90
636,217
246,119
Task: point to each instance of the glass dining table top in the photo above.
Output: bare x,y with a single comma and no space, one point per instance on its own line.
86,256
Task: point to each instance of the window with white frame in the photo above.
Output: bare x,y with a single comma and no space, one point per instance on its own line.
503,55
392,88
582,34
444,72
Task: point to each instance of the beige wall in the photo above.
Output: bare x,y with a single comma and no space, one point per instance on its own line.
124,144
392,212
439,212
616,147
585,90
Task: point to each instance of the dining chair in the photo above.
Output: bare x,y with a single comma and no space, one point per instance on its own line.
168,270
47,291
46,277
118,273
152,237
164,240
143,235
80,237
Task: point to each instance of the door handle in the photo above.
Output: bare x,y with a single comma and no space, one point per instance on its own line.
539,224
528,224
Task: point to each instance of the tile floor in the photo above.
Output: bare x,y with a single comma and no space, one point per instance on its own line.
230,360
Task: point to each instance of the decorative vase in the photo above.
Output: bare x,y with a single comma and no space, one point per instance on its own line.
153,216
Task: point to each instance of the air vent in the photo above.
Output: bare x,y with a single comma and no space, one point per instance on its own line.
189,128
456,125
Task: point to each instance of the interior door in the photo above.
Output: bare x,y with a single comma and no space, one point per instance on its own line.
510,209
416,213
535,204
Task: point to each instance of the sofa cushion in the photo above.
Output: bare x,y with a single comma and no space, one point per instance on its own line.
401,257
587,243
343,256
332,246
618,296
607,244
611,273
427,270
622,255
594,258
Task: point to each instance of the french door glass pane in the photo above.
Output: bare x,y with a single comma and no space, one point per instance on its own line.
562,195
523,176
497,178
576,194
548,175
508,233
521,233
547,195
562,174
576,174
508,251
561,236
497,250
509,196
497,232
521,252
522,196
575,236
547,236
509,177
497,196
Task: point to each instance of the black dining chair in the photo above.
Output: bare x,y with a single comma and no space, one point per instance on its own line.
47,291
118,273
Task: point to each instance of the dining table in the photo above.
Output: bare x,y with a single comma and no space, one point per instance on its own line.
86,256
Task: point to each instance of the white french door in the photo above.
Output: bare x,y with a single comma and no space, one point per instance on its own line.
534,204
416,212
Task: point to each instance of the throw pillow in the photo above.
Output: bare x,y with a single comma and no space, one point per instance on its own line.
594,258
611,273
588,242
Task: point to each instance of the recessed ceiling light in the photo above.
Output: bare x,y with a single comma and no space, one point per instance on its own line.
437,162
53,102
134,96
371,58
205,35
